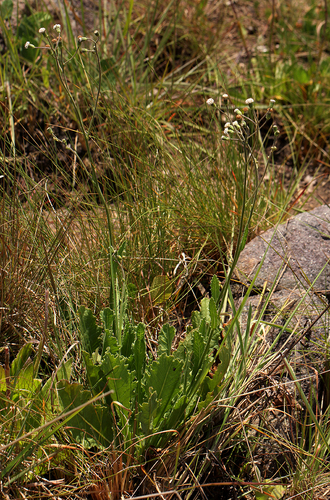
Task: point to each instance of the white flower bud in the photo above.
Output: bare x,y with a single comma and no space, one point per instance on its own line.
238,112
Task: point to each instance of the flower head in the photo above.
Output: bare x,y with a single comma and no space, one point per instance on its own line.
42,30
57,27
249,101
210,101
225,96
271,103
29,44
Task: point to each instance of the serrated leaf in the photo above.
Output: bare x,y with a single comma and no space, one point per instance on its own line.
161,289
95,375
213,314
128,340
147,413
205,311
120,380
196,319
91,426
107,316
109,342
164,379
89,331
165,339
215,289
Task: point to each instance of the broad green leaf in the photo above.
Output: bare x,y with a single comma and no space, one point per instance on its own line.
196,319
215,289
20,359
25,381
120,380
95,375
198,352
165,339
161,289
147,413
177,415
271,492
205,310
164,379
128,341
90,332
109,342
64,372
107,318
92,425
213,314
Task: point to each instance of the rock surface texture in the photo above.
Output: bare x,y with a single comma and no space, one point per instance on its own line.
295,254
294,261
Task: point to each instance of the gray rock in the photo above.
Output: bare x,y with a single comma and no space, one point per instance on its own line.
296,254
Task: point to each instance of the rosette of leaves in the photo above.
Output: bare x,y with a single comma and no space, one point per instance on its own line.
152,397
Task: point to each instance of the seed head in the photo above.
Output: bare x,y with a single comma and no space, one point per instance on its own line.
225,96
42,30
249,101
210,101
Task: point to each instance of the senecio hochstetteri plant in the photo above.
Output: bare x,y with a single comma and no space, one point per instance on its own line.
243,128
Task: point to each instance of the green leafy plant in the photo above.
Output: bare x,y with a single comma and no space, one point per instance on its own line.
153,395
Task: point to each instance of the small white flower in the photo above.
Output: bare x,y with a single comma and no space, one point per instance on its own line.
57,27
225,96
272,100
210,101
249,101
42,30
29,44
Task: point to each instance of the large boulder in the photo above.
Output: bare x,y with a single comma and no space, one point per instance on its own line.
296,254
